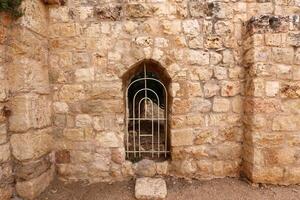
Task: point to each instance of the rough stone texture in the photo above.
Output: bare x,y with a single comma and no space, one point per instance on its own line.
34,187
272,117
234,86
150,188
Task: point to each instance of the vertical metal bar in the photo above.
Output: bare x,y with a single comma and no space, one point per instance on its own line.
145,86
139,134
133,131
152,128
158,129
166,123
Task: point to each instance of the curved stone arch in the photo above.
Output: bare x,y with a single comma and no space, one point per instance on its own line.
163,79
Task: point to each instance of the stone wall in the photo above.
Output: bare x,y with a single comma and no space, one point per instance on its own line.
93,45
6,176
30,124
272,100
234,89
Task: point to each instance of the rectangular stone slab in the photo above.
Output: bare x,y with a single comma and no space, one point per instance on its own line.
150,188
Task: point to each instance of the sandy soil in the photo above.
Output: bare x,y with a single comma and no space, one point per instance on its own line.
178,189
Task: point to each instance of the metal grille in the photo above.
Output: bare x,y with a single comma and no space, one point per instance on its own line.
146,118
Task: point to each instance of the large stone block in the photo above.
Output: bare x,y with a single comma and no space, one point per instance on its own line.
34,187
4,153
27,75
6,192
32,145
182,137
29,111
150,188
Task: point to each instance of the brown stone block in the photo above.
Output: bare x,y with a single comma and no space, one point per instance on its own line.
32,145
34,187
28,170
182,137
292,175
102,106
5,153
62,156
286,123
109,12
6,174
257,105
139,10
29,111
6,192
267,174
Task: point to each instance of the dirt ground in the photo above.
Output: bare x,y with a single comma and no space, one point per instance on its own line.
178,189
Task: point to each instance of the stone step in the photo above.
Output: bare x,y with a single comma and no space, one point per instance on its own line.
150,188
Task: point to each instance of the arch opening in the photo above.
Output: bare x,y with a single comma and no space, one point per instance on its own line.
147,112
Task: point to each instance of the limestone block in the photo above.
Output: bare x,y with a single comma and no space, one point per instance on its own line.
6,192
83,120
182,137
109,12
162,168
3,133
286,123
292,175
267,174
34,187
70,93
283,55
59,14
31,169
191,27
201,105
139,10
118,155
101,162
29,111
84,75
230,88
293,39
220,73
221,104
213,42
60,107
74,134
108,139
107,90
291,106
201,73
272,88
150,188
4,153
31,145
34,16
27,75
215,58
197,57
196,9
145,168
103,106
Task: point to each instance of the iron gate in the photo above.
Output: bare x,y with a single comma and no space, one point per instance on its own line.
146,119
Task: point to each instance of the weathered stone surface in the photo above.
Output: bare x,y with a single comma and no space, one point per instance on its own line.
145,168
29,111
31,145
34,187
4,153
32,169
6,192
182,137
150,188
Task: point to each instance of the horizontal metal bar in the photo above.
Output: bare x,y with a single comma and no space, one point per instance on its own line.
148,151
154,119
144,135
